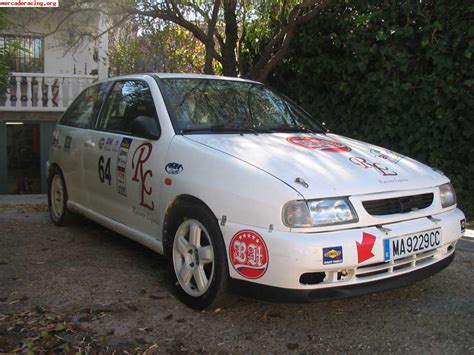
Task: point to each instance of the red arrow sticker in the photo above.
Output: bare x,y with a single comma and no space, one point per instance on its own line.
364,249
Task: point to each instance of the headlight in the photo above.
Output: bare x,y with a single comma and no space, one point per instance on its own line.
316,213
296,214
447,195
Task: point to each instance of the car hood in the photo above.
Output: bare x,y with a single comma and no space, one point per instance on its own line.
318,165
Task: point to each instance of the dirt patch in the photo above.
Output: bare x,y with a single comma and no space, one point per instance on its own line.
84,288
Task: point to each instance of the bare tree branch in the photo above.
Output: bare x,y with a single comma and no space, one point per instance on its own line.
278,47
222,33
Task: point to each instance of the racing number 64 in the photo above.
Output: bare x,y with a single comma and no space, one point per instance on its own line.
104,174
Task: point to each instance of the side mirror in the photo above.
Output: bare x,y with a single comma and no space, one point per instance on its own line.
145,127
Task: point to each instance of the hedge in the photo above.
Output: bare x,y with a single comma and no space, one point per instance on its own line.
395,73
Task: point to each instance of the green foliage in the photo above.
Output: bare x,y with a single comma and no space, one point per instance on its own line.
395,73
4,68
169,48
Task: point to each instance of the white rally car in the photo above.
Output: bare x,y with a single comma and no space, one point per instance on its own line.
246,193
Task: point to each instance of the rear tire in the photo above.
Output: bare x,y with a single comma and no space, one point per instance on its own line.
57,198
198,261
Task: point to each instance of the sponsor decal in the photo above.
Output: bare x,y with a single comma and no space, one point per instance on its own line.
116,146
249,254
393,180
173,168
108,144
56,144
126,143
387,155
122,158
101,142
67,143
364,248
319,144
141,174
332,255
380,168
463,225
145,214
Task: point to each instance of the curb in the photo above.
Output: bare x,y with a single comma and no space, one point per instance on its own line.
23,199
469,233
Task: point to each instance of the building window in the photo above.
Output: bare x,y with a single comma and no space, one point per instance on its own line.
25,53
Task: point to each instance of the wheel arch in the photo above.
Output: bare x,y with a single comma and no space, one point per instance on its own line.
53,166
172,212
48,177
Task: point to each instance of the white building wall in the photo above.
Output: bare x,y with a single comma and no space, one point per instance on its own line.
59,59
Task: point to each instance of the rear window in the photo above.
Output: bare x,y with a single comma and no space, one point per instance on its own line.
81,112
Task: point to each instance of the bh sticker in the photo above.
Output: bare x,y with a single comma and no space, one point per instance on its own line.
319,144
249,254
332,255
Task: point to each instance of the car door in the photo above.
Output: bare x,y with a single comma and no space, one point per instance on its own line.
121,169
69,138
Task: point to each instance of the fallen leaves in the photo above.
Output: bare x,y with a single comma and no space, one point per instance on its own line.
44,330
37,330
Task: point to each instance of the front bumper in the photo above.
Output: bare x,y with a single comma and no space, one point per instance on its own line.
296,262
284,295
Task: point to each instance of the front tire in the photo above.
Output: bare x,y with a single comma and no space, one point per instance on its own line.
198,259
57,198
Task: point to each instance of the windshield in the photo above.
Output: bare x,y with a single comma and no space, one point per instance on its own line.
209,106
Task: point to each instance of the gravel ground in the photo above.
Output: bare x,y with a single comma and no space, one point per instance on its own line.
84,288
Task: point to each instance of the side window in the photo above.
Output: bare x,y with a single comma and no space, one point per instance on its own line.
127,100
81,112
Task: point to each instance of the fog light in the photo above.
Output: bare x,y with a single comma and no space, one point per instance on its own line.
312,278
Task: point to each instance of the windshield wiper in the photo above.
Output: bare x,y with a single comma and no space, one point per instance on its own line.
222,129
296,129
226,129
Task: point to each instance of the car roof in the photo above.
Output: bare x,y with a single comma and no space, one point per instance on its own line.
180,76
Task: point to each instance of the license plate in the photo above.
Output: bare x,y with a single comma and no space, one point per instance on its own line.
410,244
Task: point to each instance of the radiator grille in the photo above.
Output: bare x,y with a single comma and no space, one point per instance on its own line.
398,204
394,266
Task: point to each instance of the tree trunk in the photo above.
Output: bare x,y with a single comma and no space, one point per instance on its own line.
229,59
208,68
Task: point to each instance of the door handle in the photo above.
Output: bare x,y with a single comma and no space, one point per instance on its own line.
89,143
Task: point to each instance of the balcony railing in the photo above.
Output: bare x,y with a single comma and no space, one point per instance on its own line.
42,92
